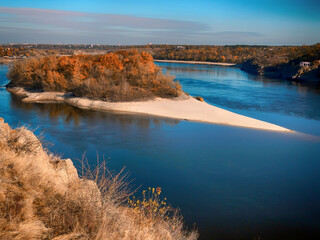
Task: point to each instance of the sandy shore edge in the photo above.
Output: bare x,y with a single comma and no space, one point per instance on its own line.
181,108
196,62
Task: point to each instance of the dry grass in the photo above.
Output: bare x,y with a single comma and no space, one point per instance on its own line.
42,197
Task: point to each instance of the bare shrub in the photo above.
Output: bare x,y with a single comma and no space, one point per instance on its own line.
21,141
113,186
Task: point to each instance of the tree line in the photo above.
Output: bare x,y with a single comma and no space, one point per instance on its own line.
236,53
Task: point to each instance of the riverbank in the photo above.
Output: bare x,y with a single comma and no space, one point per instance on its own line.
291,71
196,62
183,108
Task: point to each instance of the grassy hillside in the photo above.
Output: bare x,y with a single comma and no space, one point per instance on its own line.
43,197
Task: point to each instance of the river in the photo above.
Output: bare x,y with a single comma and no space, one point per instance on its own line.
229,182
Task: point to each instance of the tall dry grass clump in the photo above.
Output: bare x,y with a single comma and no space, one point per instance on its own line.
43,197
120,76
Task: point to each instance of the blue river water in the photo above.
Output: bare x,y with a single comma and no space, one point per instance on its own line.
229,182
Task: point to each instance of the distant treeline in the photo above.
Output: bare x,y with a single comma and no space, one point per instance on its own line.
30,51
211,53
237,53
119,76
273,61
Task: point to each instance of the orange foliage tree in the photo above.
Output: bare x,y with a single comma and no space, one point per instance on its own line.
120,76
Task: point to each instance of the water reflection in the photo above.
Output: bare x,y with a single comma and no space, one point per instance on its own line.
273,82
72,115
211,70
235,73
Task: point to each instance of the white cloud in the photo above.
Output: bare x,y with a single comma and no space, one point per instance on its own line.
57,26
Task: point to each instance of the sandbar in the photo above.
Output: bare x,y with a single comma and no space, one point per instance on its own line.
183,108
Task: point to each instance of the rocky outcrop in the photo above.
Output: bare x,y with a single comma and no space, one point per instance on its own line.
285,71
252,66
289,71
310,75
42,168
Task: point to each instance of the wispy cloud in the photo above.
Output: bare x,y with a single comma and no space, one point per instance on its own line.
235,34
52,26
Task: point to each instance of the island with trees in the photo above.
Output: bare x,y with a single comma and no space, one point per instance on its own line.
120,76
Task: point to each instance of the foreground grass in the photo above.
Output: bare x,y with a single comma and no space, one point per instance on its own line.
120,76
42,197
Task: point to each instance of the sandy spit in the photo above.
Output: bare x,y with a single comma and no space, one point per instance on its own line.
196,62
187,108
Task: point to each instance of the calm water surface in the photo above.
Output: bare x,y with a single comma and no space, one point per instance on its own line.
233,183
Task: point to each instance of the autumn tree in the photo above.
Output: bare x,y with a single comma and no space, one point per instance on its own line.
120,76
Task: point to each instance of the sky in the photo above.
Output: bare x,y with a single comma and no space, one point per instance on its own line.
209,22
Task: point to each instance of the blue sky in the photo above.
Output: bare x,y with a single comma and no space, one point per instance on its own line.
272,22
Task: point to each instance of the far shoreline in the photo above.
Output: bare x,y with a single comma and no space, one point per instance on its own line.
8,61
196,62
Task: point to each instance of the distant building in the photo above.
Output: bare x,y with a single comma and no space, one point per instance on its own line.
180,48
304,64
